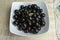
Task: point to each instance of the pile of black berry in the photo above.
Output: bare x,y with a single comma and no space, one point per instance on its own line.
29,19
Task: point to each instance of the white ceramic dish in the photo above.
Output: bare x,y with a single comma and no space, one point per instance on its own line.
16,5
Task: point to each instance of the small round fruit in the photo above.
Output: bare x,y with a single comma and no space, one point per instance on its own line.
42,15
41,19
26,7
38,7
22,6
37,24
37,19
35,15
34,5
42,23
19,13
23,19
26,31
15,23
34,27
16,11
34,11
29,28
34,31
29,6
39,10
33,21
15,17
19,27
29,10
39,16
39,28
30,23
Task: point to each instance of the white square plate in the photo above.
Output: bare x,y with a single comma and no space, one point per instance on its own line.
16,5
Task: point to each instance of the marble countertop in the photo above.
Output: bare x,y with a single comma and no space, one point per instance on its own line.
5,6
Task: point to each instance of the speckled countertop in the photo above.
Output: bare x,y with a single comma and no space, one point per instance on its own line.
5,6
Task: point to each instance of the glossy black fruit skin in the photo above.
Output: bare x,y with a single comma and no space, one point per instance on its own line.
16,12
42,15
15,17
39,10
27,23
15,23
42,23
22,6
34,6
34,31
20,27
29,6
26,30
